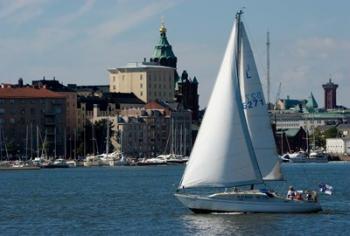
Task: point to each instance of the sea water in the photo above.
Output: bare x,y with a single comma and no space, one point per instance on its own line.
140,201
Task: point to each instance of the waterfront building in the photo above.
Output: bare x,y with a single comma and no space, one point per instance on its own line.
330,95
309,121
338,146
157,128
290,140
32,119
71,102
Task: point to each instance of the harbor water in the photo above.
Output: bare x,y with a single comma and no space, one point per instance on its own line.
140,201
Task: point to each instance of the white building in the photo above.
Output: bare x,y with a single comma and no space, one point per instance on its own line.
338,145
148,81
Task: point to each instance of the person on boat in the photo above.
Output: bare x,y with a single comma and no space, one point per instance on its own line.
308,195
291,193
298,196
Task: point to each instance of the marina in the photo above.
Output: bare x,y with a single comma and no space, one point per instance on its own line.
130,200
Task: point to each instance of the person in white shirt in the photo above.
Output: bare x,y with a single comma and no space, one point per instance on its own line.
291,193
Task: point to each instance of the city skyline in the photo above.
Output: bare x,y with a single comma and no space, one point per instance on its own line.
78,41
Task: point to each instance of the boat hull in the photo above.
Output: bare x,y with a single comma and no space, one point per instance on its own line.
206,204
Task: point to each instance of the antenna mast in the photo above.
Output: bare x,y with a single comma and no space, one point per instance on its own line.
268,66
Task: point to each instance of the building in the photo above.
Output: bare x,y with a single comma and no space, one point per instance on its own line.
338,146
290,104
330,95
108,104
187,94
157,128
32,121
344,130
186,89
309,121
290,140
148,81
163,53
71,102
89,90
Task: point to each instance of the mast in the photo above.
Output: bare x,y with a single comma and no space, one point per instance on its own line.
172,136
75,144
185,141
31,141
37,141
84,143
55,144
0,143
107,138
65,143
268,67
26,142
239,101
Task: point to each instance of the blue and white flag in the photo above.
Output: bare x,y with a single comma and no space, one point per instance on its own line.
326,189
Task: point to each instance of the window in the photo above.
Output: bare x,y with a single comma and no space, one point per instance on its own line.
141,85
113,78
141,93
113,87
140,77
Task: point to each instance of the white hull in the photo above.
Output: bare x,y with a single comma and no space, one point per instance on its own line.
206,204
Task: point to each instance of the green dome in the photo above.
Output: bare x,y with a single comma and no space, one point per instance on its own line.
163,52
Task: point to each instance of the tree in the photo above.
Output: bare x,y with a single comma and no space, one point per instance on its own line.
320,137
95,138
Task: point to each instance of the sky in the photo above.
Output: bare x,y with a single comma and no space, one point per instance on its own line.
77,41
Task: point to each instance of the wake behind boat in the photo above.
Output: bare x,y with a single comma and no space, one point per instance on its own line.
239,150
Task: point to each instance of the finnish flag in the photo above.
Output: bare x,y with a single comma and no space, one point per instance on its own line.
326,189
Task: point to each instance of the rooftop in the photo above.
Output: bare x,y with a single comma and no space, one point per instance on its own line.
141,65
27,93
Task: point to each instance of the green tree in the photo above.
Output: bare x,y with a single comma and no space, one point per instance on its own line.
320,137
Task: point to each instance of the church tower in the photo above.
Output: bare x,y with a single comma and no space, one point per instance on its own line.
163,52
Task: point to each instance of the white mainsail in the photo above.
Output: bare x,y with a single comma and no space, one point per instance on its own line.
222,155
255,110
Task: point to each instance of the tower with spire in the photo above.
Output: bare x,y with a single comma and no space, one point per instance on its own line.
186,89
163,52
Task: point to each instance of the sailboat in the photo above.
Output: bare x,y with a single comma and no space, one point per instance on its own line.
234,148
